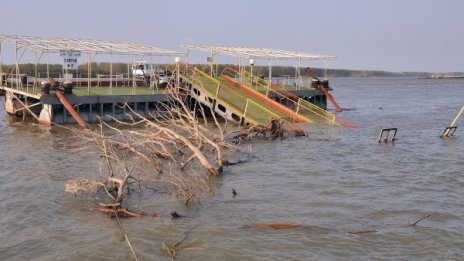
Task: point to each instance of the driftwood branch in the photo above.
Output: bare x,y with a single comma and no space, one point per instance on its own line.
172,250
126,237
362,232
422,218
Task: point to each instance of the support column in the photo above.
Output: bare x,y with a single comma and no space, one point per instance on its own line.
89,118
46,115
101,111
64,115
146,110
9,103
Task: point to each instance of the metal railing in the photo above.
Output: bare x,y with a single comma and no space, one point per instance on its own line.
299,104
20,82
215,93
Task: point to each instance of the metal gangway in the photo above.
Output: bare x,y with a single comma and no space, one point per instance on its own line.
299,105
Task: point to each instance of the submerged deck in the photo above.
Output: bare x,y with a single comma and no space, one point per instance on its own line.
242,106
92,104
119,93
109,103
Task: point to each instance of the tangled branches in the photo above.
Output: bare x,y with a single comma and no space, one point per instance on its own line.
176,148
180,148
272,129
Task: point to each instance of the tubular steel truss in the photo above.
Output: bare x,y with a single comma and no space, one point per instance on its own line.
260,53
55,45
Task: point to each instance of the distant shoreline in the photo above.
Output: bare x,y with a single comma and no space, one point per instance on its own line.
442,77
277,71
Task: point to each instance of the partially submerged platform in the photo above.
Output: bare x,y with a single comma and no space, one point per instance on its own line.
242,96
108,104
238,96
97,96
240,106
99,104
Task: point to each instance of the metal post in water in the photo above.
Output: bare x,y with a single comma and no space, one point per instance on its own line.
457,116
449,131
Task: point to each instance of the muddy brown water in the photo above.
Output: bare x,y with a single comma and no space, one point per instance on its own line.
335,181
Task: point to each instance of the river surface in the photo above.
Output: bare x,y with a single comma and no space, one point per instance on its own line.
335,181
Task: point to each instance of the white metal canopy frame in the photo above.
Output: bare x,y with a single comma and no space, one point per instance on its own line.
259,53
47,45
50,45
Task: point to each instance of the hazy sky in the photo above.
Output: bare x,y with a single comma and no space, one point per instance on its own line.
414,35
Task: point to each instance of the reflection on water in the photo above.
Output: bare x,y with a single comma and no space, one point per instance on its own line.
340,180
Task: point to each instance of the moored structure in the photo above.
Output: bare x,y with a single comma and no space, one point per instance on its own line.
90,94
81,94
243,97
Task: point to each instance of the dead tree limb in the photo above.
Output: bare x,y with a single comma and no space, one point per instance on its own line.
422,218
362,232
125,236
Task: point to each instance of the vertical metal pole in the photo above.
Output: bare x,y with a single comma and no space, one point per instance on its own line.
1,65
133,74
177,60
270,71
66,69
35,70
78,80
17,65
211,69
48,67
36,82
325,70
297,72
216,65
89,73
240,65
128,74
62,67
111,71
178,76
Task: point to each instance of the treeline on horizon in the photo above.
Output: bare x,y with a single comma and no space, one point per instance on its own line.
277,71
